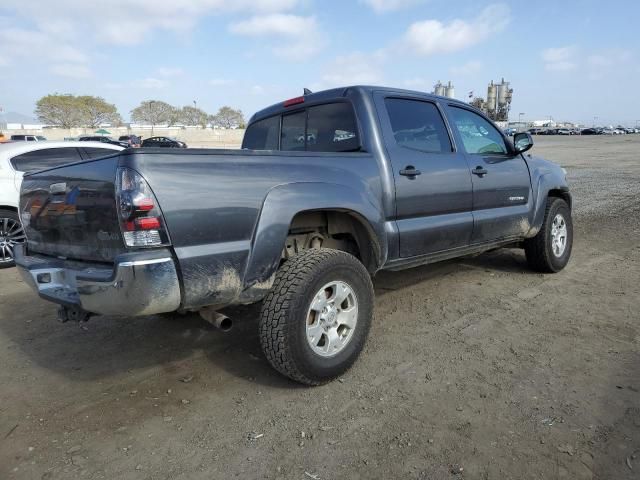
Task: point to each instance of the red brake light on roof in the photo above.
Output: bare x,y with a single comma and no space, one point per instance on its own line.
293,101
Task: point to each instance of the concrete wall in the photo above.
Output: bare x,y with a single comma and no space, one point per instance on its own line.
193,136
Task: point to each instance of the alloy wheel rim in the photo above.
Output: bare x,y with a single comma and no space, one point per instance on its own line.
331,319
11,234
558,235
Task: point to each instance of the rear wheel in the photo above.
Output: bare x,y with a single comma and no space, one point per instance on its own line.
11,234
316,318
550,249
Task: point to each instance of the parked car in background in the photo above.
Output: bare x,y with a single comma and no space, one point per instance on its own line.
163,142
393,179
18,158
131,140
28,138
510,131
590,131
535,131
563,131
103,139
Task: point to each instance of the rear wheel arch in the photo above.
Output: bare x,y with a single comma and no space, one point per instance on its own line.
285,202
340,224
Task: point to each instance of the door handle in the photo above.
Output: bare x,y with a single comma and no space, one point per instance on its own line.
410,171
479,171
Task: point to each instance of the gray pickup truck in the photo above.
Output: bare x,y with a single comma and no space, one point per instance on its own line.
328,189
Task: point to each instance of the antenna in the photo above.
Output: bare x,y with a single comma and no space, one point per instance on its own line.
307,91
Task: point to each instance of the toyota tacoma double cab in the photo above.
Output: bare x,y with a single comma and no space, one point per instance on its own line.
328,189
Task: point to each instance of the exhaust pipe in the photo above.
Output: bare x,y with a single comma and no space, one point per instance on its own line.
217,319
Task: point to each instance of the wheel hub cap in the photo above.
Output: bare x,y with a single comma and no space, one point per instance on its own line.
558,235
11,233
332,318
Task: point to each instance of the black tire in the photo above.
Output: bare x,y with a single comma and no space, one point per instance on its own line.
539,249
284,313
6,244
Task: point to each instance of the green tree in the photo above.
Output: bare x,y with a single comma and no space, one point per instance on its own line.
193,116
68,111
174,117
59,110
228,117
153,112
95,111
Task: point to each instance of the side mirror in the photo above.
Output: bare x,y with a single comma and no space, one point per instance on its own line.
522,142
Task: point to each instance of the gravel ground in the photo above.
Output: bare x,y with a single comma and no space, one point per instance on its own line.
475,368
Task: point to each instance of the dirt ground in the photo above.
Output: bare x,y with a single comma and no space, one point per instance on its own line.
475,369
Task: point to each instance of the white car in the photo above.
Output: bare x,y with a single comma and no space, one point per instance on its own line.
19,158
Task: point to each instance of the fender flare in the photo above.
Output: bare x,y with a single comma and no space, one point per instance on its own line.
284,202
546,183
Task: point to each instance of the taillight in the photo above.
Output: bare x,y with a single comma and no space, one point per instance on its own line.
141,220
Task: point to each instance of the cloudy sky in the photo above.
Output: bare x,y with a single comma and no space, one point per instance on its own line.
569,60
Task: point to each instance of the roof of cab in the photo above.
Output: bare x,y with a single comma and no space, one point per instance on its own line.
341,92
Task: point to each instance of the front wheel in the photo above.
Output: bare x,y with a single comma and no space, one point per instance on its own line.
550,249
316,319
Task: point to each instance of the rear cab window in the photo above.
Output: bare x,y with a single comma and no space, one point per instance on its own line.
329,127
263,134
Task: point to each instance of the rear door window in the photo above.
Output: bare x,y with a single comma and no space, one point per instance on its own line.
418,125
263,134
45,158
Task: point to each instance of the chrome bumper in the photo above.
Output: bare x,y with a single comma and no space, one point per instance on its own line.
140,283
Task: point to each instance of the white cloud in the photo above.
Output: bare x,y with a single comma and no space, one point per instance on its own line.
70,70
149,83
64,60
16,41
352,69
285,25
559,59
430,37
609,59
295,37
418,83
126,22
169,71
383,6
257,90
469,68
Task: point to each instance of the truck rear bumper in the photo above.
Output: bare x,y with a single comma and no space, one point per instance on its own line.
139,283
